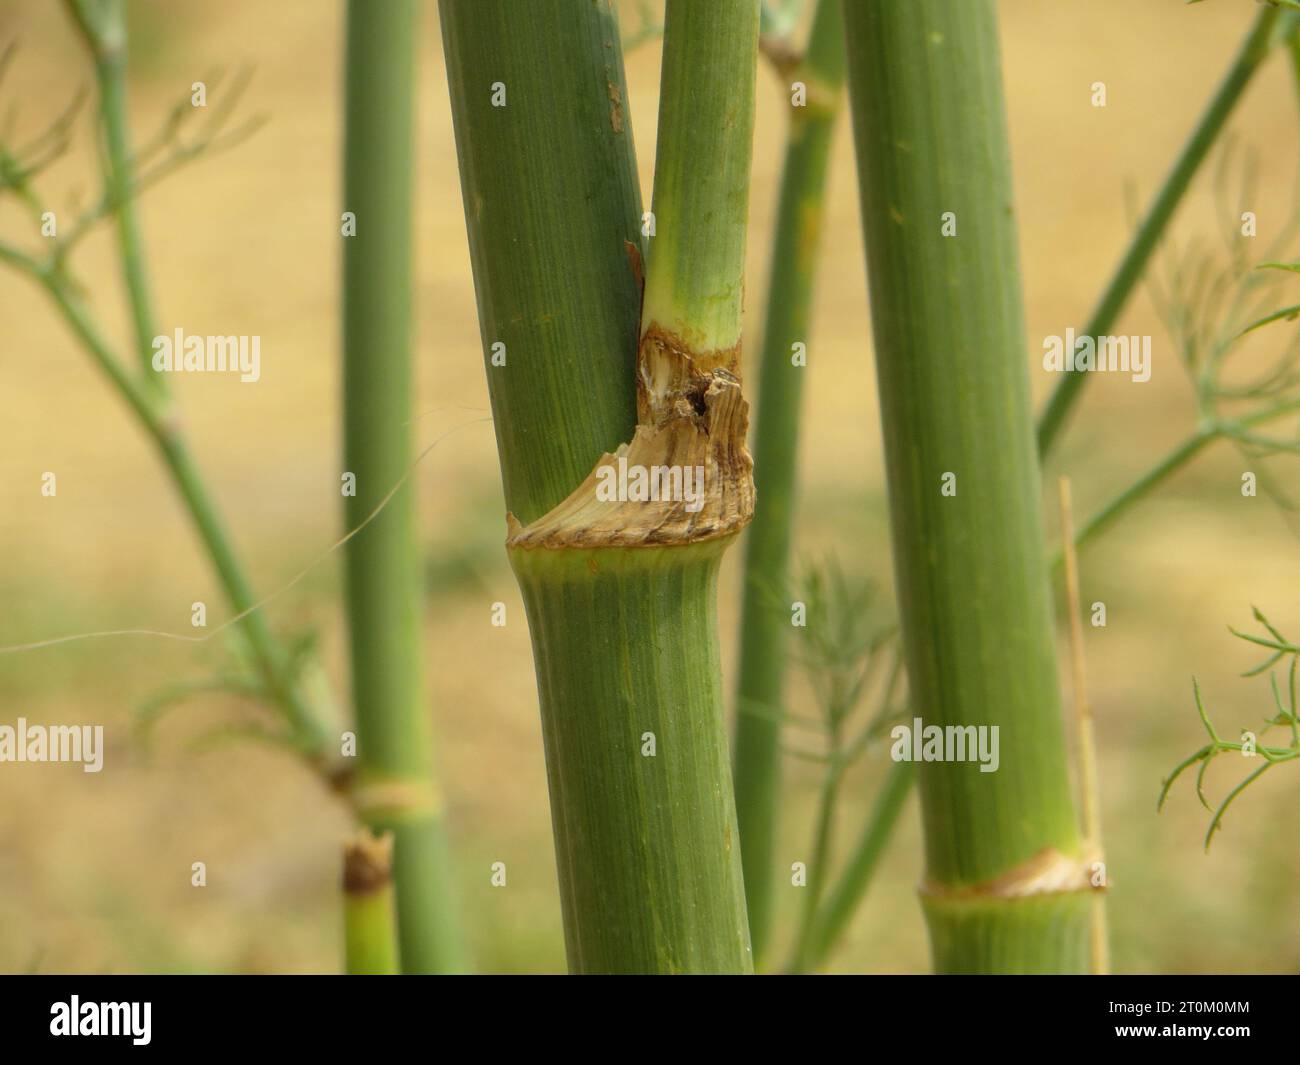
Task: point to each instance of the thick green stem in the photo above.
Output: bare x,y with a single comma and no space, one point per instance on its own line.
551,201
1252,53
369,907
1003,853
627,650
394,787
1049,933
889,803
619,593
765,619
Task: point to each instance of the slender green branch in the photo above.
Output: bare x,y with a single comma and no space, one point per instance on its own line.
308,719
394,788
1261,417
818,868
1279,645
103,24
847,894
306,712
765,619
1276,316
148,408
309,714
1177,458
1250,56
172,153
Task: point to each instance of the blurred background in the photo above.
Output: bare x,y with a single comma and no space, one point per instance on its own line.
95,868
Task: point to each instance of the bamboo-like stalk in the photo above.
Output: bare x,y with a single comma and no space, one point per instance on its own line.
765,621
369,907
394,788
888,804
619,594
1005,888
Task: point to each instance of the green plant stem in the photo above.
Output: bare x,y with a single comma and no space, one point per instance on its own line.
697,258
1156,475
370,938
765,620
929,126
819,865
394,787
307,713
103,24
1175,460
311,729
887,806
844,898
70,305
568,391
624,638
650,879
1127,274
1250,56
369,908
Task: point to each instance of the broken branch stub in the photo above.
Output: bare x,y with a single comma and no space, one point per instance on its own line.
685,477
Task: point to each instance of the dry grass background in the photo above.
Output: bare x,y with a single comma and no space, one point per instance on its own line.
95,869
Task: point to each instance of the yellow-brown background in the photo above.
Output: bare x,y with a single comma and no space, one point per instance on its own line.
94,869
